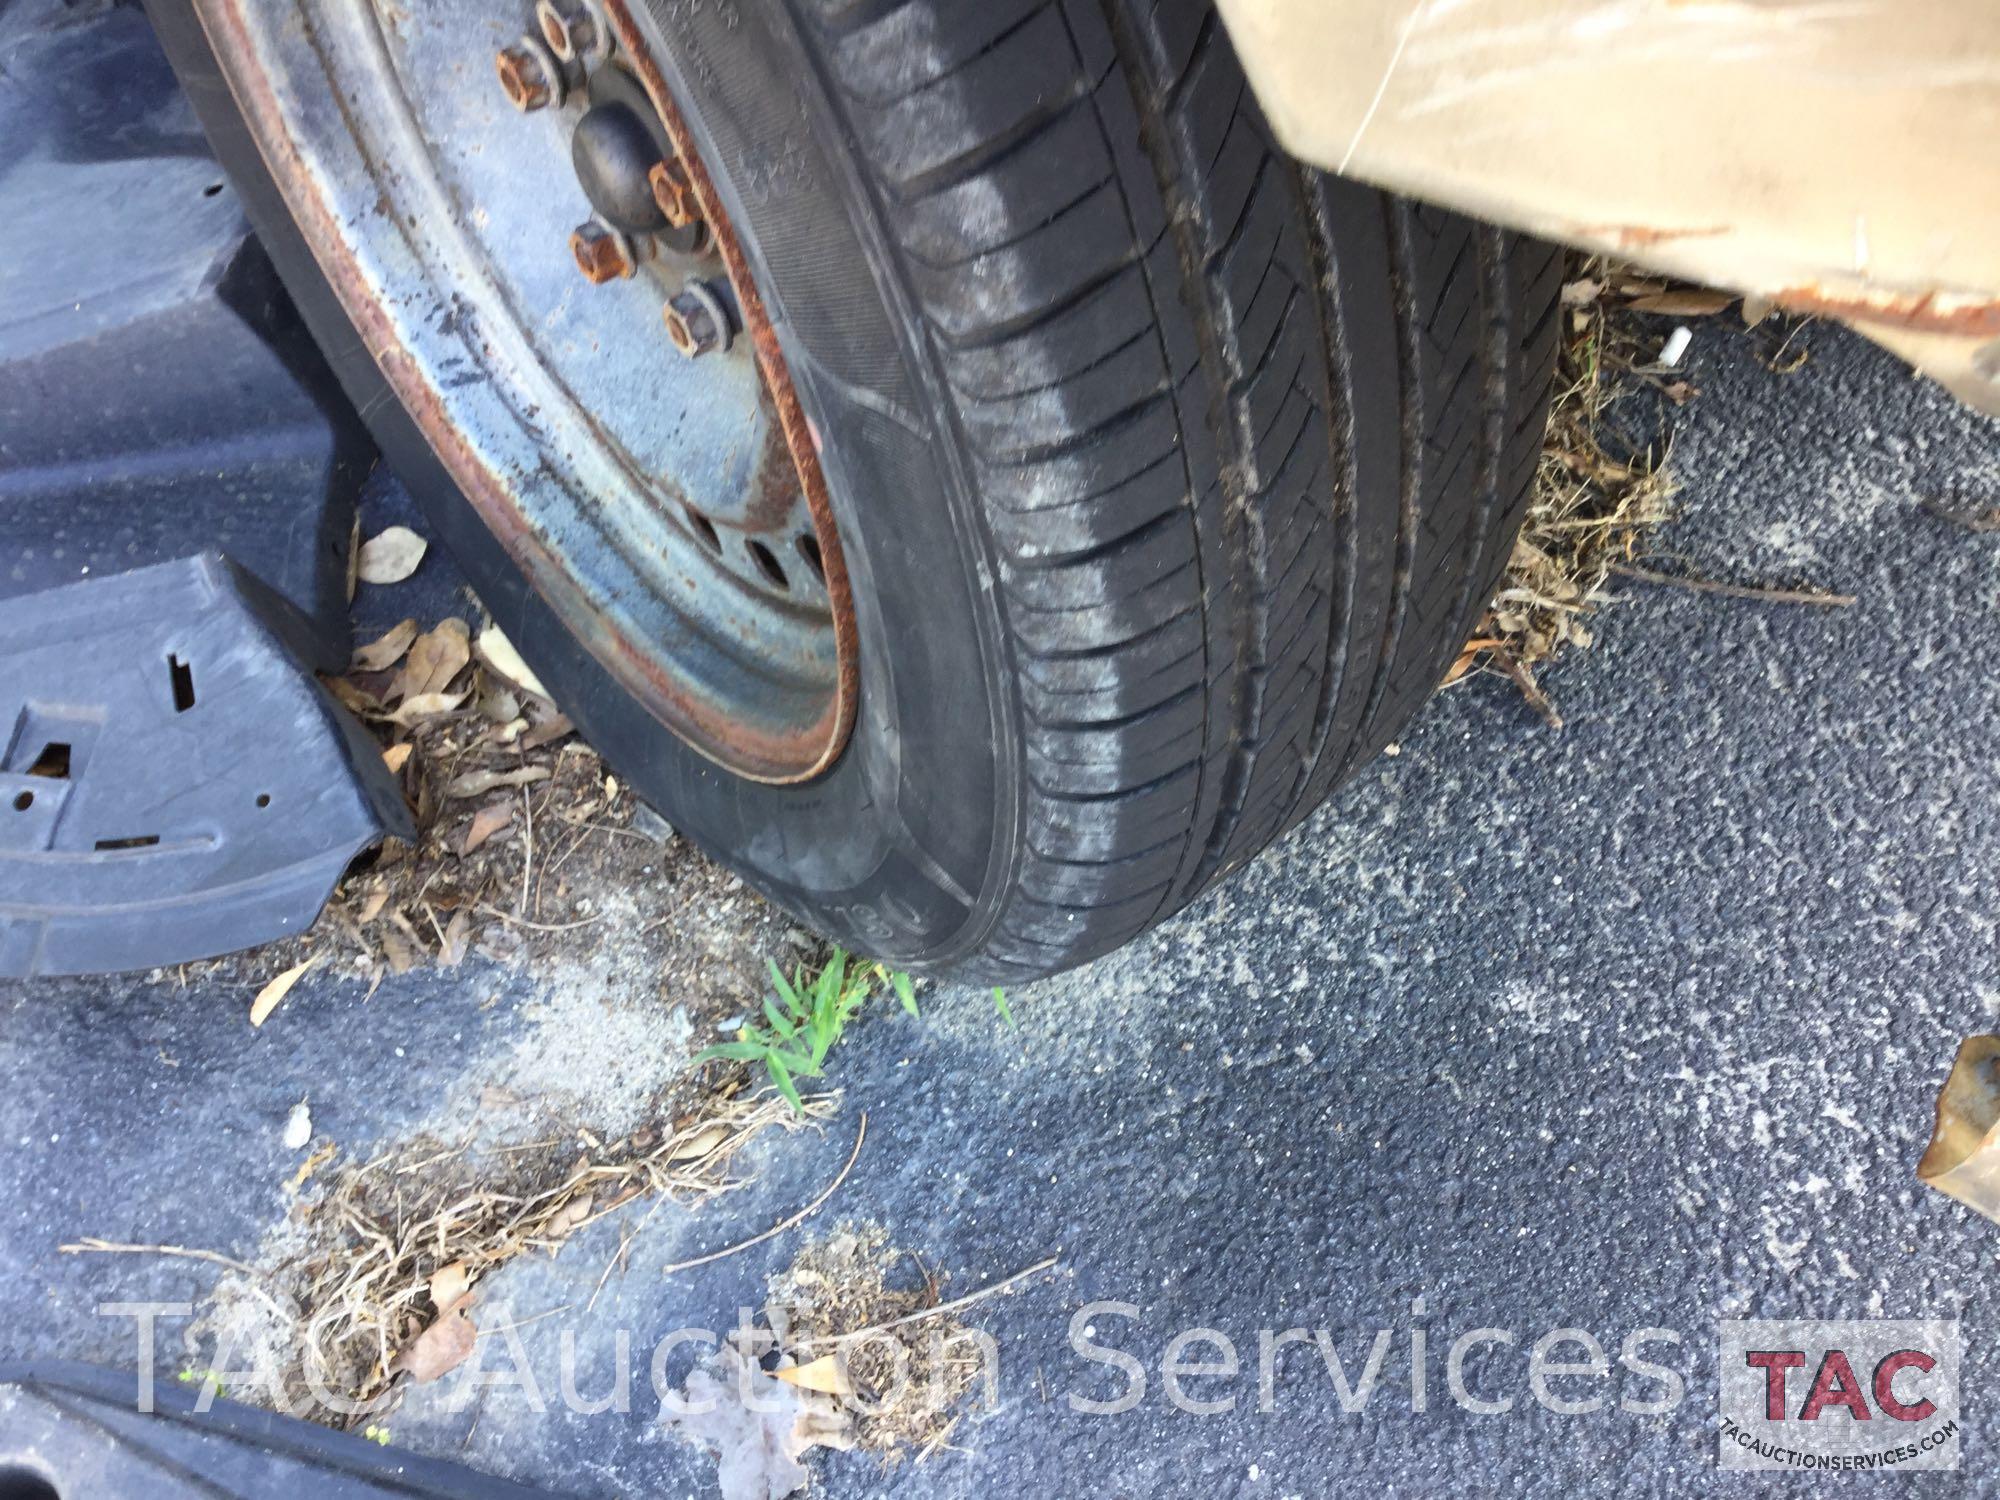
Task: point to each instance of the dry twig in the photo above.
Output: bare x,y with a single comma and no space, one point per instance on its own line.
783,1224
956,1304
93,1246
1735,590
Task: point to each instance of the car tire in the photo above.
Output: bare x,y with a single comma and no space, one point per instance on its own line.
1171,474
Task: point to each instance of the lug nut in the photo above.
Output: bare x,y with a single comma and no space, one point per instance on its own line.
531,75
674,193
601,252
700,318
573,30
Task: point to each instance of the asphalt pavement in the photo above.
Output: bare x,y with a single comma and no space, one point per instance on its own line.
1626,1029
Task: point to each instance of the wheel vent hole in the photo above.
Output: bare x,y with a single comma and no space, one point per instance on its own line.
704,531
182,675
25,1484
768,565
23,801
807,547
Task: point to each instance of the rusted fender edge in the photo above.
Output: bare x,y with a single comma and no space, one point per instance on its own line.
1834,156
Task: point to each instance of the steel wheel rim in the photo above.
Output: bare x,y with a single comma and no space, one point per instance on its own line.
672,511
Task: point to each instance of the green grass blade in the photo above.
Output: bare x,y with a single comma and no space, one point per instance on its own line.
905,990
795,1062
782,1077
821,1036
1000,1004
785,990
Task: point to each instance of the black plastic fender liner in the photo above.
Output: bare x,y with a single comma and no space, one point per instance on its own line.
76,1430
158,393
174,783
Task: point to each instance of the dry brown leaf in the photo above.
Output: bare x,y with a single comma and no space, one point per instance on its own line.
449,1283
498,653
442,1347
1687,303
500,704
435,658
1959,1158
729,1405
372,904
567,1218
386,649
353,555
457,937
1756,309
396,757
823,1374
700,1144
311,1165
1467,659
269,996
401,953
353,698
477,783
546,732
391,555
427,706
488,821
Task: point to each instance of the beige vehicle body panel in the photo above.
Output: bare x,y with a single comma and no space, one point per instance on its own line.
1839,157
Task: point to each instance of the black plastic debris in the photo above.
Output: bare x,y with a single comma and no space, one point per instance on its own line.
75,1430
174,782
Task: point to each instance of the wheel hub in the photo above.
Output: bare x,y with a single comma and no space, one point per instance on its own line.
614,152
630,433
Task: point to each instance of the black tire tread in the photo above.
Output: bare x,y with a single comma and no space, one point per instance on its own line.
1233,560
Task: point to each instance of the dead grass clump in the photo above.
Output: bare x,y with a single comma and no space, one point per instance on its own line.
901,1382
397,1246
1598,495
504,801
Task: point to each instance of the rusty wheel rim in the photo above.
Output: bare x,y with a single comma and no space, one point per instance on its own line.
532,308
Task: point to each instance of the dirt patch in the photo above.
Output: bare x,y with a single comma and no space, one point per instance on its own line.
528,851
640,952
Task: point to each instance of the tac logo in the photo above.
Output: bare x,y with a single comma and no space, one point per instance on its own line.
1858,1393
